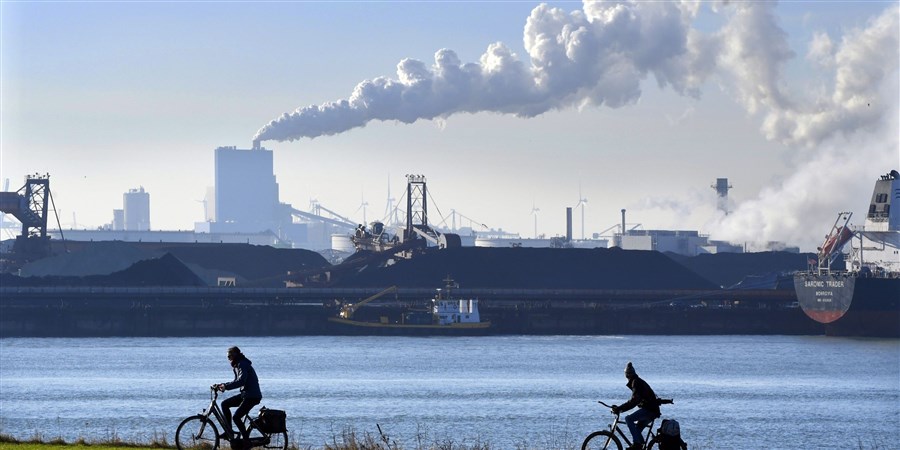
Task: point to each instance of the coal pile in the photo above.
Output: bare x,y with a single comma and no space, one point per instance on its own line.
108,264
95,258
257,265
533,268
165,271
730,269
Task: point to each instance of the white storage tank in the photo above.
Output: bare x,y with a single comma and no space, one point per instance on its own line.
342,243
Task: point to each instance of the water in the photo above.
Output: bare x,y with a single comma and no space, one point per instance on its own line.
731,392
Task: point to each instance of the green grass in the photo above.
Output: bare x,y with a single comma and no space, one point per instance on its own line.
37,442
347,440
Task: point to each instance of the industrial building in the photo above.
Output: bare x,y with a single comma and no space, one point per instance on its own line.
245,201
246,193
136,214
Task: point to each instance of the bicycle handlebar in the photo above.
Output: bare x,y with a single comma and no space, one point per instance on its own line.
661,401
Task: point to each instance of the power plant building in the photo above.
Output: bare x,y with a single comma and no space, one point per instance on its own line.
137,210
246,193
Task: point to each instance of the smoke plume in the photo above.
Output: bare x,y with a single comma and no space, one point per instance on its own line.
592,57
600,55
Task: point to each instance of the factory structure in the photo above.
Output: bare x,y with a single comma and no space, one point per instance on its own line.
244,207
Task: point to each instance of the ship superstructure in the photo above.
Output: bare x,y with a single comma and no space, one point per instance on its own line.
864,298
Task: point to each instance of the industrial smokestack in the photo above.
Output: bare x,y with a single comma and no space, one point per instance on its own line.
622,235
568,224
722,188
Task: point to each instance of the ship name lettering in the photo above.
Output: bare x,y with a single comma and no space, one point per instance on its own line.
814,284
832,283
825,294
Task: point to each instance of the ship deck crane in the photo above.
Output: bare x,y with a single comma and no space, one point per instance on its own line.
348,309
834,242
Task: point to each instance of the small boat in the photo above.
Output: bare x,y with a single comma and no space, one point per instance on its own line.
445,316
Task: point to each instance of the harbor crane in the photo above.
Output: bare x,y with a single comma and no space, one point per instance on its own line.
350,308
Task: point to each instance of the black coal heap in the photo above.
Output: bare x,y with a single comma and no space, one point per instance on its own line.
534,268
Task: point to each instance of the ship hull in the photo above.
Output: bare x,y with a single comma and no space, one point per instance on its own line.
849,305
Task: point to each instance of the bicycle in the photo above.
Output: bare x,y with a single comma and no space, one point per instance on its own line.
606,439
200,432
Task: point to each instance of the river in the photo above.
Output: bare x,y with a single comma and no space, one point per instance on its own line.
511,392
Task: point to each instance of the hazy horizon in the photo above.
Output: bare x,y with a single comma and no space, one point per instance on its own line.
504,107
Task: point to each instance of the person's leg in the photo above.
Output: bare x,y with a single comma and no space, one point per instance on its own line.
242,411
636,422
227,404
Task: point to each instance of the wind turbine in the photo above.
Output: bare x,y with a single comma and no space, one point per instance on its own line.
581,202
362,206
390,214
534,211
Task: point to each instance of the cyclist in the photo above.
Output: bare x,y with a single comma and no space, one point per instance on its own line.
250,396
644,398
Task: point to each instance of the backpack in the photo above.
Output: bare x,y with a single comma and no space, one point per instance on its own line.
271,420
669,436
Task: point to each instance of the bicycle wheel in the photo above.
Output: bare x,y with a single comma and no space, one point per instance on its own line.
601,440
653,444
197,433
277,441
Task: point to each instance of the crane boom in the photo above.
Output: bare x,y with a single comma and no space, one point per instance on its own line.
348,310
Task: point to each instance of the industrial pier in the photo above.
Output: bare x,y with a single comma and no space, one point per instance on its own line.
192,311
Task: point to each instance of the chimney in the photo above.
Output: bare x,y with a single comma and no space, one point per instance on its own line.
568,224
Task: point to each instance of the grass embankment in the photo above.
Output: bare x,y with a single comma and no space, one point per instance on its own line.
38,443
348,440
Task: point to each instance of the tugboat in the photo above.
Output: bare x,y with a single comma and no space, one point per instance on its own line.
445,316
863,299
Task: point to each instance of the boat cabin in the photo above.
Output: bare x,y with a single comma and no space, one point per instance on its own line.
456,311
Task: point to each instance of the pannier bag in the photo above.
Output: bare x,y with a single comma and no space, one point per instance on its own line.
669,436
271,420
670,427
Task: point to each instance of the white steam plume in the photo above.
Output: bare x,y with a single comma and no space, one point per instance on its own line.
597,56
843,130
846,133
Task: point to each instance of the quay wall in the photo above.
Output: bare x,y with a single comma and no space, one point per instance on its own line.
83,311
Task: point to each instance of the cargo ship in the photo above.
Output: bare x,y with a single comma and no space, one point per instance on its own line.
445,316
863,297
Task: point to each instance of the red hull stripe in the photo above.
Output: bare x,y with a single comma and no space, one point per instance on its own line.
824,316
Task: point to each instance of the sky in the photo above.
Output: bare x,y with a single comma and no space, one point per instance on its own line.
512,110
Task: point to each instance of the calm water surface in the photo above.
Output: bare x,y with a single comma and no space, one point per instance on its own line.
731,392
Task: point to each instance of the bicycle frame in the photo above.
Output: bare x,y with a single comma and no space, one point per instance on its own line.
614,428
213,409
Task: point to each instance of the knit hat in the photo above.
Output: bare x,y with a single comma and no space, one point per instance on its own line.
629,369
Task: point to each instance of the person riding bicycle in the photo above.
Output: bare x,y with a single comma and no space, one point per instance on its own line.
250,396
645,399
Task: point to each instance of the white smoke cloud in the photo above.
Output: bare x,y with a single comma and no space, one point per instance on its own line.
844,130
846,136
594,57
864,62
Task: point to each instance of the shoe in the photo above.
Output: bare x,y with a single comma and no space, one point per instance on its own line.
635,447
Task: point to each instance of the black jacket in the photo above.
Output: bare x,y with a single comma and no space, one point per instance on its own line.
642,396
245,378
